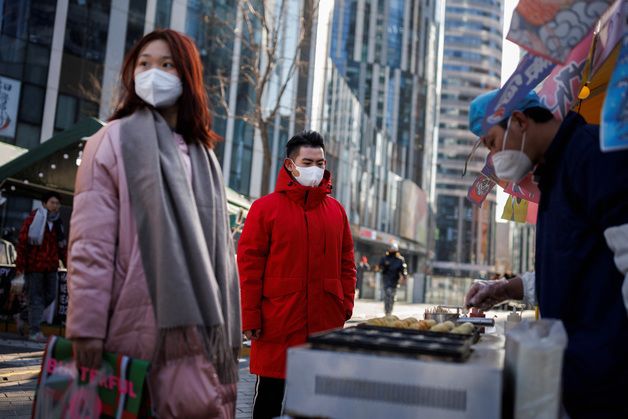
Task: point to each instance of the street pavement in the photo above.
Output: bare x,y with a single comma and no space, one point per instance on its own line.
20,361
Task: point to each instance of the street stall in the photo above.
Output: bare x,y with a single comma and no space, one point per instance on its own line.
399,368
437,367
451,364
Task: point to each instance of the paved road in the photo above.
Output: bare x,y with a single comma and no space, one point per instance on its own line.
19,365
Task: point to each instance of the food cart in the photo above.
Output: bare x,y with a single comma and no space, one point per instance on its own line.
369,373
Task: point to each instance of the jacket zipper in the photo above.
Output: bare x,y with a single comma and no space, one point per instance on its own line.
307,265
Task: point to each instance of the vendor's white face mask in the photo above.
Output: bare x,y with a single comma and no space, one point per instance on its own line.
512,165
309,176
158,88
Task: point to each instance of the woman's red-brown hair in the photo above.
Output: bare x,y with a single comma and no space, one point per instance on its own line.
194,122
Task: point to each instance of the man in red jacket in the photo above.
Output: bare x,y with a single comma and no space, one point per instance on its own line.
297,273
41,245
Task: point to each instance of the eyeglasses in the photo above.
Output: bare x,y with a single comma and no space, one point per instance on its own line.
473,150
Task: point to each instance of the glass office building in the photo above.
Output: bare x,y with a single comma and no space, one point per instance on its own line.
61,61
465,234
379,115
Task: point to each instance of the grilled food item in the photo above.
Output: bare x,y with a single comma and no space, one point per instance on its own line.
450,325
463,329
440,327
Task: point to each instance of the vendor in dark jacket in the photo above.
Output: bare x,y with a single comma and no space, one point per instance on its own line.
394,268
581,246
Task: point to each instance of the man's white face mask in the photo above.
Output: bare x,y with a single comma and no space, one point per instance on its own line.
158,88
512,165
309,176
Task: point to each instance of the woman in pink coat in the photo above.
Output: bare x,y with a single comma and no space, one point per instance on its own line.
151,263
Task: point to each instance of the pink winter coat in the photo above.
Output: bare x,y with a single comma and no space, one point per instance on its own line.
109,297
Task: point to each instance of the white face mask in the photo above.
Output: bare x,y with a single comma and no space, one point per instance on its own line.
158,88
309,176
512,165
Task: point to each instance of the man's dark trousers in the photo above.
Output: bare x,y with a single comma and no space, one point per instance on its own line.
268,402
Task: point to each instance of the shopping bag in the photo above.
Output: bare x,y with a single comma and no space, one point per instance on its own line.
117,390
534,359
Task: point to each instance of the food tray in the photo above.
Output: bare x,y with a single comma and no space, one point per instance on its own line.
474,337
403,342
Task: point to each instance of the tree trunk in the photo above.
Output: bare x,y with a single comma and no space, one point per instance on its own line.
267,157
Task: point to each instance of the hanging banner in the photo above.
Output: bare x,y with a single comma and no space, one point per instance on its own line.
612,27
533,212
9,100
552,28
482,186
530,72
560,90
477,193
614,126
516,209
525,189
489,171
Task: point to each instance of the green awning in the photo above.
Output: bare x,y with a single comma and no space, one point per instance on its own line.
51,166
9,152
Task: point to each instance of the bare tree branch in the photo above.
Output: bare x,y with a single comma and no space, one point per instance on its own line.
267,65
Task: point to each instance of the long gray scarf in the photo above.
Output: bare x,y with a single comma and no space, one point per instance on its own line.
185,243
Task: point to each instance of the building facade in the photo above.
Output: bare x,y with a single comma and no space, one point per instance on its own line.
368,80
464,233
378,113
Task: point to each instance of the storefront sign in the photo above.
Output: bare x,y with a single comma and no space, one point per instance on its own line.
62,298
9,100
9,300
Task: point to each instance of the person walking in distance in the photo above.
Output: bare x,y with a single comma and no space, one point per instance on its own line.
363,267
297,272
394,268
41,245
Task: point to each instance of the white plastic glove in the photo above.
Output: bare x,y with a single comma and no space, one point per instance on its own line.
617,241
486,294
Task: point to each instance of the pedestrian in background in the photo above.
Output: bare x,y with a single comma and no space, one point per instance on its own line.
152,270
393,267
41,244
297,271
363,267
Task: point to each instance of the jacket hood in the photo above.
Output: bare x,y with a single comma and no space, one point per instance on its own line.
308,197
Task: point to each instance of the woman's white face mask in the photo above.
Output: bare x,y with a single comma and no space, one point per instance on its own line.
157,87
512,165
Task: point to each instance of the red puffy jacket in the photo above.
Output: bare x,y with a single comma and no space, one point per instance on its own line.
297,273
43,258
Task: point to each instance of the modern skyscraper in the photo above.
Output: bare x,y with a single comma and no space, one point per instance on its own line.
379,109
465,234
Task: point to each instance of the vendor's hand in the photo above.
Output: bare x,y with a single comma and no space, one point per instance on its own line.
252,334
485,295
88,352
